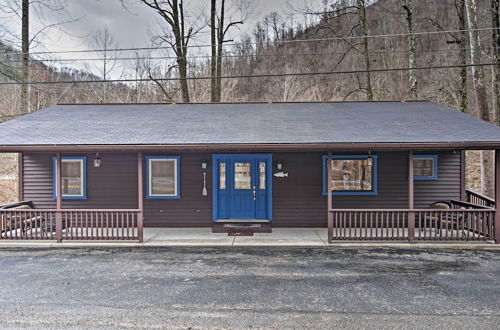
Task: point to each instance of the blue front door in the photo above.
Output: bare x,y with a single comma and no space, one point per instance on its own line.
242,186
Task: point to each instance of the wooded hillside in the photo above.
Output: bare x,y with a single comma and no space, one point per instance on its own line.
354,50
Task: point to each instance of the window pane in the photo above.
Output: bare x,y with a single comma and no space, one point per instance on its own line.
222,175
242,176
352,175
163,177
262,175
423,167
71,177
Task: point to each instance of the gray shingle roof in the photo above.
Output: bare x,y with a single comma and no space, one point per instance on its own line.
247,123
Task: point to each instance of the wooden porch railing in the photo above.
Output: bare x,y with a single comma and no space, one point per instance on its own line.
413,225
81,224
476,198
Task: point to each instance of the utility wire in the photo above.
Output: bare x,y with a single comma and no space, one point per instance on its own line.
256,43
248,76
246,55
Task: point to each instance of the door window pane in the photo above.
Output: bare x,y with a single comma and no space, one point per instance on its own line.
163,177
72,177
262,175
222,175
242,176
352,174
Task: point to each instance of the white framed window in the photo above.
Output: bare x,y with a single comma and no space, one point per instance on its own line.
162,177
73,177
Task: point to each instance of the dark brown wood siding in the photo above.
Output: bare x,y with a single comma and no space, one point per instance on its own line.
113,185
297,199
446,187
192,209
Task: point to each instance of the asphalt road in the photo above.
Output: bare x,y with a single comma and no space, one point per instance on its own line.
249,288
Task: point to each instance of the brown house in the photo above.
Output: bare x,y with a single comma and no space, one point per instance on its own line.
396,170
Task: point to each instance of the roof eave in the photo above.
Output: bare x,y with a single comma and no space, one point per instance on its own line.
260,147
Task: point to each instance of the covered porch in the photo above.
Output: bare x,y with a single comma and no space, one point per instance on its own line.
22,221
473,218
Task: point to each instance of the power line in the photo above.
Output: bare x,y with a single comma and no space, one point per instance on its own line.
256,43
249,76
247,55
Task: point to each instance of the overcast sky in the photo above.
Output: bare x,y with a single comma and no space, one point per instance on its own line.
131,27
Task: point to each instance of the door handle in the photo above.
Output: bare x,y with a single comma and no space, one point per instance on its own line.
254,193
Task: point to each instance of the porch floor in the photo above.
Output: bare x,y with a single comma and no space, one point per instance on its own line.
204,236
289,237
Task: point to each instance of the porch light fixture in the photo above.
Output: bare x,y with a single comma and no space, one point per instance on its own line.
97,160
204,164
279,165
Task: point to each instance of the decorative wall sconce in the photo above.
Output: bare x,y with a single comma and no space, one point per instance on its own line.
204,164
97,160
279,165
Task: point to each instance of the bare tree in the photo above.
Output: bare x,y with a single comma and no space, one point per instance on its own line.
408,7
178,37
25,48
482,111
106,47
21,10
363,22
462,44
495,42
349,8
218,31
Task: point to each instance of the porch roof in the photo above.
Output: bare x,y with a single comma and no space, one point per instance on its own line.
415,122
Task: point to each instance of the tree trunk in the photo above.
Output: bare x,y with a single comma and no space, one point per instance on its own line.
220,41
495,43
482,111
462,44
364,26
213,59
408,6
181,43
25,48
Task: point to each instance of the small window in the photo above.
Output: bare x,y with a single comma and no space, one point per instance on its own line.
162,177
222,175
352,175
73,177
262,175
425,167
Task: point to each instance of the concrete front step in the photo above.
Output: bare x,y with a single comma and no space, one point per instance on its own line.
241,228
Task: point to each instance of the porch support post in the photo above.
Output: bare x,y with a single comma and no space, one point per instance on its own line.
140,196
58,199
330,193
411,199
20,186
497,196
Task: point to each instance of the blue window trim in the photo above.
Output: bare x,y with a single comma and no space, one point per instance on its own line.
178,183
352,193
433,177
84,179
